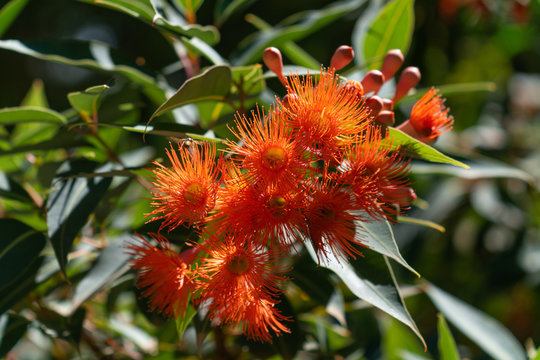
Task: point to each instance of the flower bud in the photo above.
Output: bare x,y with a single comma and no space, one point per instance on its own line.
402,196
355,87
375,104
272,59
372,81
410,77
342,57
385,117
391,63
387,104
287,99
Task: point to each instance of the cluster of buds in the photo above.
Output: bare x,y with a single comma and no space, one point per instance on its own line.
312,166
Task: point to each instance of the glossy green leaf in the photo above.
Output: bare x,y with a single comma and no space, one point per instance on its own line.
485,331
384,297
225,8
9,13
87,101
295,27
396,339
25,114
111,264
20,246
213,84
447,345
378,236
479,169
250,78
21,286
11,189
12,328
392,28
143,10
198,46
70,203
415,148
87,54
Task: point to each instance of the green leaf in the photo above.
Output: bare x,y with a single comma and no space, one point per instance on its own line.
87,54
479,169
200,47
396,339
384,297
143,10
392,28
70,203
64,140
111,264
225,8
20,246
189,6
213,84
25,114
400,140
379,237
453,89
87,101
10,189
12,328
485,331
295,27
447,345
9,13
421,222
250,78
183,322
36,95
17,290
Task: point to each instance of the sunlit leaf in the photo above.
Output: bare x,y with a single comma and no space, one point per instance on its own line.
294,28
87,101
25,114
8,14
479,169
447,345
416,148
396,339
70,203
391,29
213,84
378,236
20,246
12,328
485,331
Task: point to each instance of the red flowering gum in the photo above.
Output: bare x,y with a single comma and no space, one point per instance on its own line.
164,278
375,173
185,193
331,216
267,150
429,117
239,285
324,116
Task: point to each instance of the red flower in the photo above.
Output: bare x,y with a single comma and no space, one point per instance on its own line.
267,150
164,278
429,117
324,116
239,284
184,194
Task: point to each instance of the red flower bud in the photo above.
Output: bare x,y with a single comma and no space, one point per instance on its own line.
342,57
410,77
391,63
272,59
373,81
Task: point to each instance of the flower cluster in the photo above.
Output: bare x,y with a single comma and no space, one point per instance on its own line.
312,166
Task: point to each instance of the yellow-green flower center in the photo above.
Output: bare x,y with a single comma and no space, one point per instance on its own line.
238,265
274,158
194,193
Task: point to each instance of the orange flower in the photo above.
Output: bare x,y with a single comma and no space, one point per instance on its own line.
324,116
238,285
331,216
429,117
164,278
185,193
375,174
267,150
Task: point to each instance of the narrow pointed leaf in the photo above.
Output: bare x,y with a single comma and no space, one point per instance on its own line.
10,189
70,203
225,8
20,246
378,236
447,345
12,328
20,287
391,29
8,14
213,84
384,297
485,331
416,148
26,114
